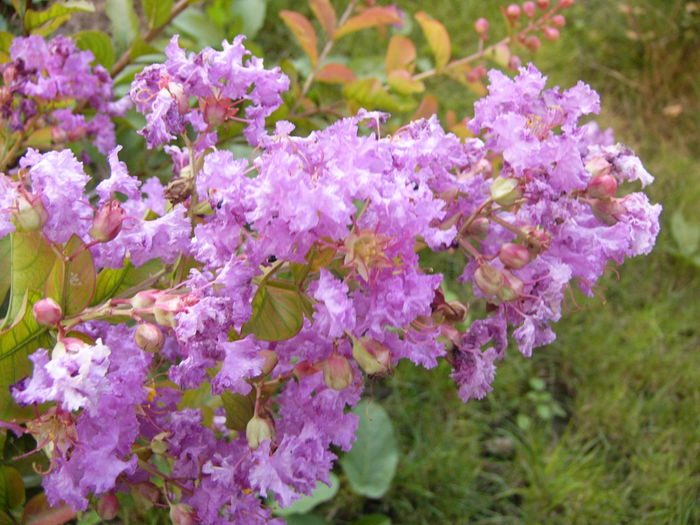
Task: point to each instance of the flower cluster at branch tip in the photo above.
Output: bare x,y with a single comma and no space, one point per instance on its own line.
293,275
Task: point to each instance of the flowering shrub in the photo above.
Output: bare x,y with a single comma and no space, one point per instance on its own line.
200,342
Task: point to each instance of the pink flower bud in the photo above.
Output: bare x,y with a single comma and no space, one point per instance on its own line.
258,430
543,4
149,338
107,507
30,214
47,312
178,93
598,166
481,26
550,33
602,187
529,9
532,43
144,299
606,210
181,514
488,278
566,3
478,227
513,11
107,222
558,21
372,356
512,288
337,372
538,240
514,255
514,62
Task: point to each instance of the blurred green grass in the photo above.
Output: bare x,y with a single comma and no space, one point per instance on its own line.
626,371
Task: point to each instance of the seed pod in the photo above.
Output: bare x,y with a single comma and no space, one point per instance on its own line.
337,372
149,338
514,255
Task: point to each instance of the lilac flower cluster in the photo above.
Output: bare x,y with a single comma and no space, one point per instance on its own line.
304,275
41,76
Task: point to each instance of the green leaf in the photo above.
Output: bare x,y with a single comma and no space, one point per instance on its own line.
99,43
197,25
16,343
6,41
31,260
71,282
373,519
370,17
320,494
251,14
125,23
371,464
20,7
47,21
239,409
39,512
11,488
156,12
685,233
369,93
303,31
402,82
113,282
277,312
306,519
438,38
5,262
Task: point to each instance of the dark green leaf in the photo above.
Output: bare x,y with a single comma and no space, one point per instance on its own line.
321,493
125,24
252,15
305,519
31,260
371,464
277,312
113,282
11,488
373,519
195,24
156,12
239,409
99,43
71,282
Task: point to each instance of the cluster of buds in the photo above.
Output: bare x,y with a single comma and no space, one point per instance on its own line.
500,283
161,305
601,191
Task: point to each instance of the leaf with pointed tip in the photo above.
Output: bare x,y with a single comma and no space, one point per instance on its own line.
428,107
239,409
99,44
278,312
400,54
402,82
16,342
303,31
369,93
113,282
71,282
370,17
46,21
335,73
125,23
324,12
438,38
31,261
11,488
156,12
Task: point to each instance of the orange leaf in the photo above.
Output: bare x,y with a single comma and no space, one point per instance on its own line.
438,38
371,17
304,33
335,74
323,10
428,107
400,53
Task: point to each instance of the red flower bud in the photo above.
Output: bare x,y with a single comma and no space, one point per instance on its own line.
550,33
149,338
108,507
107,222
532,43
543,4
558,21
47,312
602,187
514,255
337,372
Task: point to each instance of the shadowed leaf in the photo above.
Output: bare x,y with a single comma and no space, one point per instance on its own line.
303,31
438,38
371,17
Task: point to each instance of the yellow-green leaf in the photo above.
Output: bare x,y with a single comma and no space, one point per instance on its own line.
156,12
5,262
438,38
335,73
277,312
31,260
369,93
324,12
370,17
113,282
99,43
11,488
303,31
400,54
402,82
239,409
71,282
46,21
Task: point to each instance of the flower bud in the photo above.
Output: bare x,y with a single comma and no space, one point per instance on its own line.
550,33
481,26
30,214
505,191
529,9
149,338
453,311
533,43
602,187
478,227
258,430
538,240
605,210
181,514
177,91
488,278
270,363
543,4
47,312
372,356
144,299
598,166
146,494
514,62
514,255
558,21
513,11
566,3
107,507
107,222
337,372
512,287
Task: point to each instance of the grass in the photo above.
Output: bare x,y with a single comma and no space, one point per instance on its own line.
624,372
